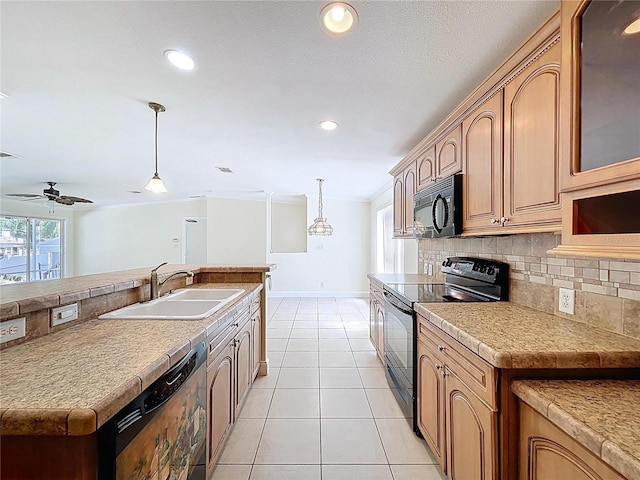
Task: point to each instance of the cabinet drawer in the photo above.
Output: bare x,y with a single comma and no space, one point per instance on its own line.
255,304
477,374
220,341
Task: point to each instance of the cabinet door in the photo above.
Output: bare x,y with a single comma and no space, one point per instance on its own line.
255,342
449,153
220,400
409,192
531,144
244,365
547,452
398,205
380,330
482,181
426,168
471,434
430,391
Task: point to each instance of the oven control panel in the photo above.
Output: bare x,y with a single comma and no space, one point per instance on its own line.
484,270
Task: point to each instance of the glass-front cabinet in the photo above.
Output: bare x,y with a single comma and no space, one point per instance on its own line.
600,128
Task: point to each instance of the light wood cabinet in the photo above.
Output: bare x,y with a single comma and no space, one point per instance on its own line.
440,160
243,358
376,318
457,405
220,396
233,362
600,169
404,188
449,153
430,393
547,453
471,433
426,168
255,342
482,195
519,191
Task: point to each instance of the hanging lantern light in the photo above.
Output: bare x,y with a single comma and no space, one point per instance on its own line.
320,225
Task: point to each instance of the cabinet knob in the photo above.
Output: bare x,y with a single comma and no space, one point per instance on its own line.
503,220
441,348
494,220
236,325
438,366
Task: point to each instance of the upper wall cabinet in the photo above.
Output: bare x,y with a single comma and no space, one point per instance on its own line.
404,188
441,159
600,93
600,129
519,191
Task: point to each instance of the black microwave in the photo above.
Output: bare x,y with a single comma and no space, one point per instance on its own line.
437,210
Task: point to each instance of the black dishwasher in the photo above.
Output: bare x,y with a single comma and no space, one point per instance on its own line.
161,434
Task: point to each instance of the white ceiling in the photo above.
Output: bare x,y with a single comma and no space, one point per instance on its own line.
79,75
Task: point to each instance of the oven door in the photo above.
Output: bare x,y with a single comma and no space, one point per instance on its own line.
161,434
399,352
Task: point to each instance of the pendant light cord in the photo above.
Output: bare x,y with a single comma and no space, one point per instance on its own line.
320,198
156,144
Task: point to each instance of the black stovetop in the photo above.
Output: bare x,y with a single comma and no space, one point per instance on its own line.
434,293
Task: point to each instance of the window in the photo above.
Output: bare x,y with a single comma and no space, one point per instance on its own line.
30,249
389,254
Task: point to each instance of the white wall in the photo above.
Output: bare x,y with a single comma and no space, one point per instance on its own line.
288,227
333,266
38,209
131,236
236,231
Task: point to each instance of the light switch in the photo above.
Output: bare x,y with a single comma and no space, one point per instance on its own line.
60,315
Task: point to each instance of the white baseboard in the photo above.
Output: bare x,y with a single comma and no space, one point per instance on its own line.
321,293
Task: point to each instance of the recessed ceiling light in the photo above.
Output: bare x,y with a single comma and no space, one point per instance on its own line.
180,60
338,18
633,27
328,125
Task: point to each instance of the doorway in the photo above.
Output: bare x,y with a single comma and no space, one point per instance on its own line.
194,246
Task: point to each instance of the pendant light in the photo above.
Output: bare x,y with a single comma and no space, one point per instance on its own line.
320,225
156,185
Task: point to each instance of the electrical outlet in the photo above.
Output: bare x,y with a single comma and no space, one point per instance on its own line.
430,269
60,315
567,300
13,329
321,284
425,268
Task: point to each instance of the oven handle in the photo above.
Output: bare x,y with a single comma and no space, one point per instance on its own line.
391,299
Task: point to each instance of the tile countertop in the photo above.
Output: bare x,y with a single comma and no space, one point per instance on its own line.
512,336
48,293
72,381
601,415
406,278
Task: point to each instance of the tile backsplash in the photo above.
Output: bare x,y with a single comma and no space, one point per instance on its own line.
607,290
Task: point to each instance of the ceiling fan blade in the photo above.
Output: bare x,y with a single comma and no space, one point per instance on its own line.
25,195
63,200
73,199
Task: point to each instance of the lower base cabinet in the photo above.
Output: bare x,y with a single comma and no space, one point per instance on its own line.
459,427
220,398
471,433
233,362
547,453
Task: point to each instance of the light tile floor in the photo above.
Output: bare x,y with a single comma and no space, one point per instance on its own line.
325,411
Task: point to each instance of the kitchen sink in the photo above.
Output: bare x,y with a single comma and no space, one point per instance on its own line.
206,294
186,304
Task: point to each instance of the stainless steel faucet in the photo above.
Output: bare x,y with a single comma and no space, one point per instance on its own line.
156,287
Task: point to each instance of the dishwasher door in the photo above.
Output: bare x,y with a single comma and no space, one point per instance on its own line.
161,434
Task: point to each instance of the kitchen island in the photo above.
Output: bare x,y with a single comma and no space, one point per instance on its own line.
61,387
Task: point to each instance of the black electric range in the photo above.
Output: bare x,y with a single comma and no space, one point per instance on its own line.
467,279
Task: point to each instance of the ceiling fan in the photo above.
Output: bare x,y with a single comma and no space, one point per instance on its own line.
51,194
